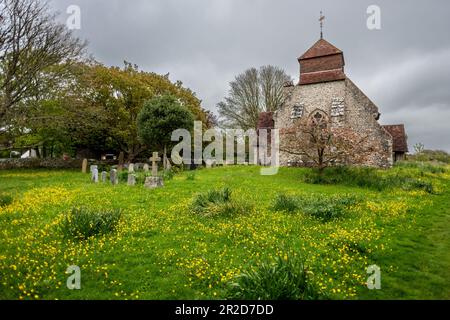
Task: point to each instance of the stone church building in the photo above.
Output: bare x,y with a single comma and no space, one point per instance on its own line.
324,88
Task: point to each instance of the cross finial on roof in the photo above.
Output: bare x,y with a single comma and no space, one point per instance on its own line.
321,19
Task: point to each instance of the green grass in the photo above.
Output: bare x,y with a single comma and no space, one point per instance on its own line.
161,249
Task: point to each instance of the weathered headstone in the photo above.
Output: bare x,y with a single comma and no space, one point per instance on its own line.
154,181
154,159
104,173
131,179
208,163
146,167
121,159
84,166
113,177
131,168
94,173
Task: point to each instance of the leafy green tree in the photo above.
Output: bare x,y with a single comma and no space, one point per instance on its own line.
159,117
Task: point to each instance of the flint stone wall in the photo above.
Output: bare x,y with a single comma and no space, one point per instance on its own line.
347,106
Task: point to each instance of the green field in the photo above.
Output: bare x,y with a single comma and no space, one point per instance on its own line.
161,249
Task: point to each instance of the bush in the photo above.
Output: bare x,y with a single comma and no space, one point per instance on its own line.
286,279
285,203
123,176
326,209
5,199
82,223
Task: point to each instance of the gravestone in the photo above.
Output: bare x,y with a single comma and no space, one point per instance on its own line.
121,157
155,159
84,166
131,168
104,173
113,177
94,173
146,167
208,163
154,181
131,179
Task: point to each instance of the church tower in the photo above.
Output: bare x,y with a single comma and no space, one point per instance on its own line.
322,62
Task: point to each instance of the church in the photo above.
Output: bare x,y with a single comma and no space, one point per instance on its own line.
325,88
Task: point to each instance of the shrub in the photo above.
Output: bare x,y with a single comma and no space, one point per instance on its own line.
123,176
286,279
82,223
285,203
5,199
326,209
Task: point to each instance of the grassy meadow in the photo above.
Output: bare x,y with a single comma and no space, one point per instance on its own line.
197,236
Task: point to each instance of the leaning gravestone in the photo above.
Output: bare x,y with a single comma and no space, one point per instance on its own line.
146,167
131,179
84,166
104,173
114,177
154,181
94,173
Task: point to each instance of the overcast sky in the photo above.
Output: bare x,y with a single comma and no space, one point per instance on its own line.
404,67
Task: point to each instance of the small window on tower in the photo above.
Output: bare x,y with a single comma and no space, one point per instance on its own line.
297,112
337,107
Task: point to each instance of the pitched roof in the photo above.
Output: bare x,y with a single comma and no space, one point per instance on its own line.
399,137
265,120
319,49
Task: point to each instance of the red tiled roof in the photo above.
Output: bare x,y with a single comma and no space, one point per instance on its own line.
323,62
319,49
265,120
322,76
399,137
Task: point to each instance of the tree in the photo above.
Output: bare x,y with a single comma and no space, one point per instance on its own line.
320,144
30,42
252,92
158,118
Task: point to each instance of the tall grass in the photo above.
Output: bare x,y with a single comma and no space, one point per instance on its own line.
215,203
285,279
82,224
5,199
370,178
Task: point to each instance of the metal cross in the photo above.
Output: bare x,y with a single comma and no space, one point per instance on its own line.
321,19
